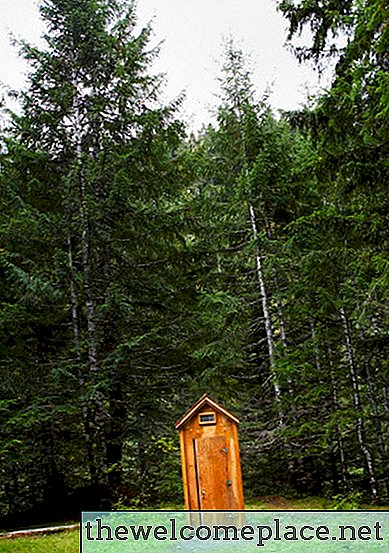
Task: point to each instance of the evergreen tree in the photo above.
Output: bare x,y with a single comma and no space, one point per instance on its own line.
252,184
351,136
90,236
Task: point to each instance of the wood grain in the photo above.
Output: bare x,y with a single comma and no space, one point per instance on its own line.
211,461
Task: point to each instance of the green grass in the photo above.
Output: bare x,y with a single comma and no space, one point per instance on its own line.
68,542
279,503
65,542
289,504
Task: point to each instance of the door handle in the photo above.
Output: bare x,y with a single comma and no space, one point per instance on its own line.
203,493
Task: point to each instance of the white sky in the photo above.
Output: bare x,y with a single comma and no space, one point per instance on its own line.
193,32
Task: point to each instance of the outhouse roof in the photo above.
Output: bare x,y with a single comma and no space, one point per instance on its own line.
204,400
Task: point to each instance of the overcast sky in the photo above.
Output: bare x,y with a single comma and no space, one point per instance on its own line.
193,33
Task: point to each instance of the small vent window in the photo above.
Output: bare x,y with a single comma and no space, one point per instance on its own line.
207,418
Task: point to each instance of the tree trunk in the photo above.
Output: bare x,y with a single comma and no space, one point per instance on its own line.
283,332
357,405
266,315
376,414
84,403
98,396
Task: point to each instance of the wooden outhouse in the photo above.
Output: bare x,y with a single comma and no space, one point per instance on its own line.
210,457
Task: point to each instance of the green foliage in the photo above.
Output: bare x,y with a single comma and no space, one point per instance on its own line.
90,231
140,269
347,503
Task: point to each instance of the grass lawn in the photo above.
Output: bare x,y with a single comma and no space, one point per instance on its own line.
68,542
65,542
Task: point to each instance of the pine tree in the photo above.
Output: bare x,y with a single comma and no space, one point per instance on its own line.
92,173
252,184
351,137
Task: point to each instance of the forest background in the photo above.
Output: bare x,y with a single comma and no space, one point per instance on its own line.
142,266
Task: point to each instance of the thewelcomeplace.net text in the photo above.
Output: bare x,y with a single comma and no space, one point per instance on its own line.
275,530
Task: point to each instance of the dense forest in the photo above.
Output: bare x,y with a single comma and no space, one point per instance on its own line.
142,266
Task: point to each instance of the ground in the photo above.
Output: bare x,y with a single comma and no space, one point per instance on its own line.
69,541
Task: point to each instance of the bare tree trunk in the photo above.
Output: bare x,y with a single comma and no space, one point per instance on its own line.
74,304
357,405
281,321
258,259
95,369
76,335
266,315
278,303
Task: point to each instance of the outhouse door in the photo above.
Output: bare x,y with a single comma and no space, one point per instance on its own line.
211,464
